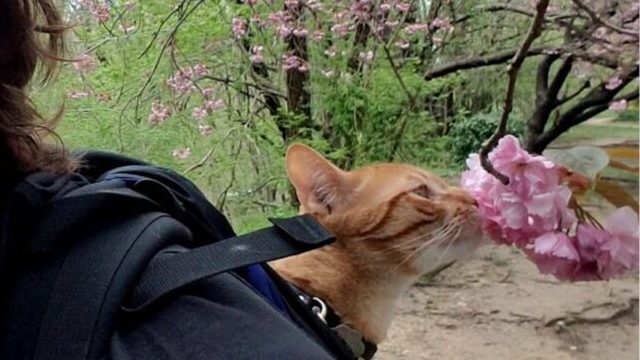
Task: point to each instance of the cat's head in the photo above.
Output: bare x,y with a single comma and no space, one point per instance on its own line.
387,214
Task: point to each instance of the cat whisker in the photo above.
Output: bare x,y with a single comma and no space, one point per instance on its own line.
448,233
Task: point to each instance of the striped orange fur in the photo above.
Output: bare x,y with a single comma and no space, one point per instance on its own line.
393,223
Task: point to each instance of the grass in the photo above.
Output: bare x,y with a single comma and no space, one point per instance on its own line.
583,133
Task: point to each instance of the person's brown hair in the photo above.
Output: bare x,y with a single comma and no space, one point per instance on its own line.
31,37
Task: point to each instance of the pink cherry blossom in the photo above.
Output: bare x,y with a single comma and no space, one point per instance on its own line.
361,9
561,268
618,106
284,30
533,212
84,63
555,253
180,83
391,23
182,153
556,244
159,114
623,226
403,7
256,58
613,83
238,27
414,28
199,113
533,202
200,70
366,57
317,35
256,55
614,249
300,32
440,23
205,130
328,73
101,13
402,44
330,52
73,94
208,92
292,62
279,17
214,105
292,4
314,5
340,30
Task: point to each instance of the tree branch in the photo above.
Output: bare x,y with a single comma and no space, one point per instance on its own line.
567,98
512,72
481,61
546,95
560,78
598,20
542,75
516,10
592,104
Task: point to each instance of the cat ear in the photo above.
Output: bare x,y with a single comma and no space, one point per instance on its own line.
320,185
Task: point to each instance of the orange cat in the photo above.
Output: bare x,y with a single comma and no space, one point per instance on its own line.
393,223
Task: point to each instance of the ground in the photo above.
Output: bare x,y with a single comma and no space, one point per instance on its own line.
496,305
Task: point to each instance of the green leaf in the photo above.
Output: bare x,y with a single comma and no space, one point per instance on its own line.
586,160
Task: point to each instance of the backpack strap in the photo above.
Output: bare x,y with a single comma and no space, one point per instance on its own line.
287,237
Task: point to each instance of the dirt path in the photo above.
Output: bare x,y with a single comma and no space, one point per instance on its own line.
497,306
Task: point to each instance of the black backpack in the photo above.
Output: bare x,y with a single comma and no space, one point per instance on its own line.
124,260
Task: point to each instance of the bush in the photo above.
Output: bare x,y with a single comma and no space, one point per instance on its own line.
630,115
468,133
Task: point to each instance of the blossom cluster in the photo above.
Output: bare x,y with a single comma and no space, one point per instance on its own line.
159,113
332,22
182,80
84,63
535,212
99,11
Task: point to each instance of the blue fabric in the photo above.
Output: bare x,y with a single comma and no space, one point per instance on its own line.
260,281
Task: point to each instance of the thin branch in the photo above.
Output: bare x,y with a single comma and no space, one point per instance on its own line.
160,26
542,76
560,78
567,98
595,102
209,153
516,10
597,19
512,72
481,61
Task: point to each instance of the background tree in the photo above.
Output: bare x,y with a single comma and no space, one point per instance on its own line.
218,89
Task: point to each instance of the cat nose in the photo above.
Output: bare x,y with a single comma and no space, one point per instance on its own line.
465,198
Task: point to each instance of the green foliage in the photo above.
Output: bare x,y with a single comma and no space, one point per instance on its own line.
382,111
468,134
630,115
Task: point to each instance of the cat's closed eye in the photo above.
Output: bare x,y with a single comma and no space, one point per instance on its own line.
422,190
